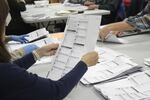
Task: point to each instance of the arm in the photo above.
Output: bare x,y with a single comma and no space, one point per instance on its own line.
20,38
66,84
32,87
26,61
29,59
118,26
111,5
139,22
16,5
142,20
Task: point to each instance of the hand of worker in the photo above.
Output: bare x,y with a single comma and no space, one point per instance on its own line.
105,31
47,50
117,33
90,59
29,48
87,3
92,7
20,38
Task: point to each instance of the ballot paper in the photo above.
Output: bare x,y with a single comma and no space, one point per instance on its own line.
134,32
65,12
75,44
134,87
111,65
41,3
37,34
147,61
113,39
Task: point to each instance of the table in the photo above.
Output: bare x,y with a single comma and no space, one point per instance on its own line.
41,15
35,14
138,48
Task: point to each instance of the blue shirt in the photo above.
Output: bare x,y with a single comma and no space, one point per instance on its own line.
18,84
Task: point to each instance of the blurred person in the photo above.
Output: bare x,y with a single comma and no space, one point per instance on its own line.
111,5
17,26
140,22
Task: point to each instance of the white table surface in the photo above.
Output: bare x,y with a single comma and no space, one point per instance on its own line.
137,48
35,14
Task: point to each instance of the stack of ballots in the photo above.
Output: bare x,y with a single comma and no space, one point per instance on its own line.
134,87
111,65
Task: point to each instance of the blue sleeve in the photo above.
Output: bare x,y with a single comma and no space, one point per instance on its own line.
26,61
57,90
18,84
66,83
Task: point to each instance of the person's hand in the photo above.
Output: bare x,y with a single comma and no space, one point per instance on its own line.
29,48
90,58
92,7
117,33
103,33
87,3
20,38
47,50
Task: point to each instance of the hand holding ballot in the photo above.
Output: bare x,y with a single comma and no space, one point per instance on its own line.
47,50
90,58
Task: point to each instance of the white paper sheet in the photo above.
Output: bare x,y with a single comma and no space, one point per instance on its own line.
75,44
127,89
111,64
113,39
37,34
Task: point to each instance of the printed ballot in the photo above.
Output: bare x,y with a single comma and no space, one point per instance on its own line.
81,34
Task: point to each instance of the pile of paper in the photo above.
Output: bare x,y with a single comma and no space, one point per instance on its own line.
111,65
147,61
41,3
37,34
79,39
135,87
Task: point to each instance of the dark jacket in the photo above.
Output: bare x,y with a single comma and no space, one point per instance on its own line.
18,84
112,6
17,25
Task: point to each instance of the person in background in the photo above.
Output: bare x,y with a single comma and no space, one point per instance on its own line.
18,84
17,26
30,1
111,5
139,22
133,7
